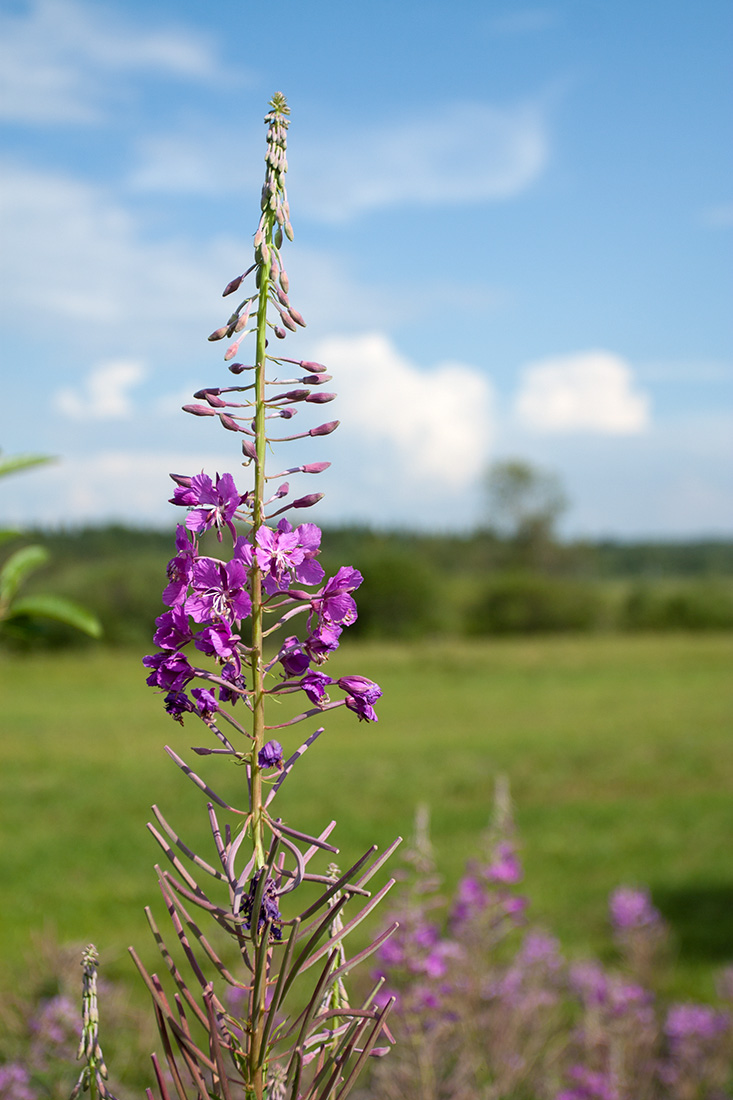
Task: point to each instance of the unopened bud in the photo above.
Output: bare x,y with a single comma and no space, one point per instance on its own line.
320,398
181,479
288,321
282,490
278,237
295,395
249,449
289,231
284,280
237,368
297,317
315,467
201,395
198,410
314,368
325,429
259,238
316,379
232,350
243,319
228,422
279,332
219,333
308,501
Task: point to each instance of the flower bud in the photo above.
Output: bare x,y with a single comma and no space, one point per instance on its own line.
307,501
317,379
320,398
181,479
232,350
297,317
249,449
325,429
288,321
280,332
228,422
199,410
219,333
243,319
237,368
314,368
315,467
284,281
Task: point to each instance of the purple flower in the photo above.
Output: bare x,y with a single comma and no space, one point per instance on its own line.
293,657
588,1085
177,703
632,908
314,685
218,641
173,630
270,755
269,910
219,501
277,554
179,569
361,694
171,671
471,898
334,605
322,642
232,674
205,702
218,591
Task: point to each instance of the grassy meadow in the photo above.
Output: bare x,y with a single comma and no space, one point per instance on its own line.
618,750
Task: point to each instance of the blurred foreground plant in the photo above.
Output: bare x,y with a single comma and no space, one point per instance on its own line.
18,612
487,1007
288,1038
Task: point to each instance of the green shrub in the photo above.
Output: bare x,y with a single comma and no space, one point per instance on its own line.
398,599
695,605
528,603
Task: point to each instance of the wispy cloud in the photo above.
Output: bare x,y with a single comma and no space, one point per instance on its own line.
458,153
105,394
590,391
57,57
719,216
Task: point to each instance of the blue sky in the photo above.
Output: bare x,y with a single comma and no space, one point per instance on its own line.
512,239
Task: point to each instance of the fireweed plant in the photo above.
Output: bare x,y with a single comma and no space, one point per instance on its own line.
282,1042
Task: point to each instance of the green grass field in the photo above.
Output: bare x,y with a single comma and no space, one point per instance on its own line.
618,751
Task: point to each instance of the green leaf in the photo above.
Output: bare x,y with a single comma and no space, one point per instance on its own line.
18,566
63,610
13,463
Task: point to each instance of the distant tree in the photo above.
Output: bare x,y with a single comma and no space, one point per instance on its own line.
523,506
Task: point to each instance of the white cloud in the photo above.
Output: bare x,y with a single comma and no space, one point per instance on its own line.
420,426
591,391
103,486
459,153
57,58
105,394
73,251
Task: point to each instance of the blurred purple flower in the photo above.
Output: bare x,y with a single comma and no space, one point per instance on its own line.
505,866
694,1021
632,908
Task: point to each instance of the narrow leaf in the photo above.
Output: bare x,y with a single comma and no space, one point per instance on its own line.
19,566
60,609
